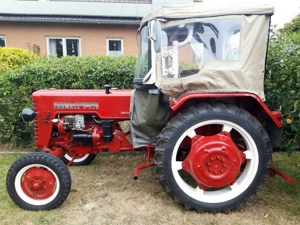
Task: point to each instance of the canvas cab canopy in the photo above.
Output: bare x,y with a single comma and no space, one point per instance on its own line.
206,47
202,47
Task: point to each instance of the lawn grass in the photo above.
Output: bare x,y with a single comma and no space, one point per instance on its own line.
105,193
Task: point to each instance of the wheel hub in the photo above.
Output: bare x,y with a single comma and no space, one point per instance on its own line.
213,161
38,183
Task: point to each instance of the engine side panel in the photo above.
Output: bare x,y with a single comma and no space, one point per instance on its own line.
50,104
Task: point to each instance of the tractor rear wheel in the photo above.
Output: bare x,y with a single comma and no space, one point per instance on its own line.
38,181
213,157
81,159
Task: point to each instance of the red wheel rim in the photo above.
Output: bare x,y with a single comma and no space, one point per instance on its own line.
214,161
38,183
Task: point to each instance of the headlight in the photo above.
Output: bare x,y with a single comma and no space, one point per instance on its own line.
28,114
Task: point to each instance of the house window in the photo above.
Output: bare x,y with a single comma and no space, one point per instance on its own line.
2,41
114,46
63,46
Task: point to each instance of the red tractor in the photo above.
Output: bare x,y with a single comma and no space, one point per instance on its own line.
197,108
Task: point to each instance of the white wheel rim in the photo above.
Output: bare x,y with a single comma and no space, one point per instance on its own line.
227,193
25,197
81,159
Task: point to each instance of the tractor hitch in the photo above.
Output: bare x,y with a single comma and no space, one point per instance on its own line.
275,171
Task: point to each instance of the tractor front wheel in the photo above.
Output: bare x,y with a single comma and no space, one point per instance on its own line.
213,157
38,181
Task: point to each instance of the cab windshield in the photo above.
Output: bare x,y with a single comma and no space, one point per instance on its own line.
186,48
144,56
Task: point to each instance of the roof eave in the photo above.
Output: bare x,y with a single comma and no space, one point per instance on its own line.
70,19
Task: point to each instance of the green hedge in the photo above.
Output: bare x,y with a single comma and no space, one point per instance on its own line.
14,58
282,85
91,72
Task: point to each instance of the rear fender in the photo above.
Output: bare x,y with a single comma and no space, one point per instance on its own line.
271,120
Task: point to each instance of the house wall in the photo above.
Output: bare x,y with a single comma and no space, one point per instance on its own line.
92,36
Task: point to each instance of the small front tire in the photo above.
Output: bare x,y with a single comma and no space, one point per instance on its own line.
38,181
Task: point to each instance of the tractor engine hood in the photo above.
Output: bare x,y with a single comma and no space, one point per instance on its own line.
112,105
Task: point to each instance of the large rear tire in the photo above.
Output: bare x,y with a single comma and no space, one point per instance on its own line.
213,157
38,181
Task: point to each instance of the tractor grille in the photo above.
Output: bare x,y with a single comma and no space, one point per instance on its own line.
35,124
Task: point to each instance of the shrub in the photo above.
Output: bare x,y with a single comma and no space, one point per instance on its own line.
13,58
282,85
292,27
91,72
